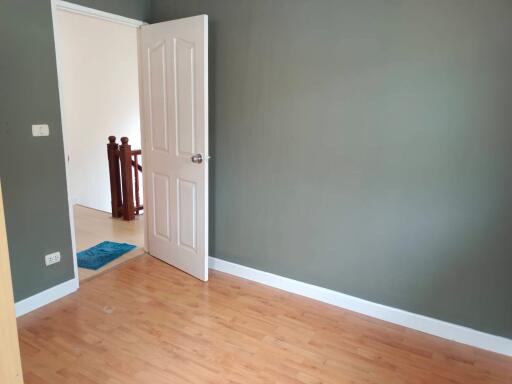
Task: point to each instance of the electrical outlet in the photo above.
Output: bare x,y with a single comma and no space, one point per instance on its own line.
52,258
40,130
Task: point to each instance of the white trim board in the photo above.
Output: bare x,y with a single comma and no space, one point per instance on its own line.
65,139
86,11
420,323
45,297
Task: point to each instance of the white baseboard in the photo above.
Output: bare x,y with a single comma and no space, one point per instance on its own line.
45,297
393,315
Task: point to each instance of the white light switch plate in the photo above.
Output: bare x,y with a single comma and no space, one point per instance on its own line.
52,258
40,130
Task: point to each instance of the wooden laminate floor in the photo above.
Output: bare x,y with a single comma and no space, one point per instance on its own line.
146,322
93,227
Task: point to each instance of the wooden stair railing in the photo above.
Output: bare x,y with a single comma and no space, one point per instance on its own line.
124,185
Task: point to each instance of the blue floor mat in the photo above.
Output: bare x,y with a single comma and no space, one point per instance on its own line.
101,254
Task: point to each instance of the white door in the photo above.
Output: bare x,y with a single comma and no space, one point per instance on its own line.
174,65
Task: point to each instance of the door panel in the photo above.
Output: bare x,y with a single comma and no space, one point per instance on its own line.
158,97
161,206
187,230
174,77
184,80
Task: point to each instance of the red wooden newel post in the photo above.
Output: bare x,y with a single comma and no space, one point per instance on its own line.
115,178
125,154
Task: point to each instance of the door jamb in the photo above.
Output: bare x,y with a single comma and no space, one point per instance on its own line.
143,136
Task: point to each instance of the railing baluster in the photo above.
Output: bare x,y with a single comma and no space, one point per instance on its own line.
137,197
127,179
115,179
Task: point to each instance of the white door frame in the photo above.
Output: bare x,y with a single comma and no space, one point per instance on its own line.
90,12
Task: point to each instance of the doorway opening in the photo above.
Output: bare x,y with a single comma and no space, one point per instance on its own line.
98,78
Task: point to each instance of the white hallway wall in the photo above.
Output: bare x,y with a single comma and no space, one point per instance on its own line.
100,91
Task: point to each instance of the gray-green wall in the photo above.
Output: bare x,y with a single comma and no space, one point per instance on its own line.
32,169
366,146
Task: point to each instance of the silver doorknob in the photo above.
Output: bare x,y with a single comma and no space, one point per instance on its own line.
197,158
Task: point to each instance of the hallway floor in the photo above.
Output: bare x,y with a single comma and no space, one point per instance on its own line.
93,227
